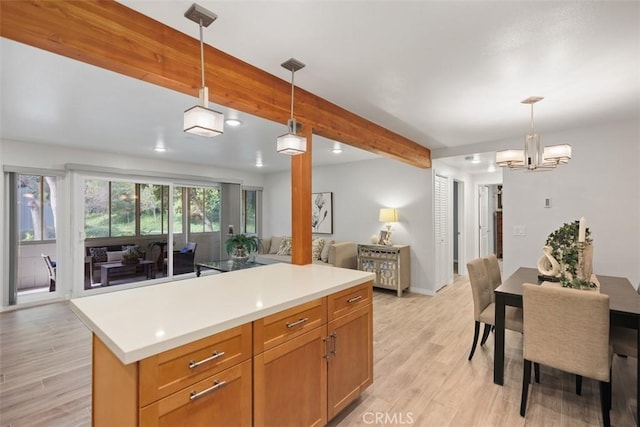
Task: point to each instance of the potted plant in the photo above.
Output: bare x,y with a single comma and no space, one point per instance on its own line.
131,255
239,246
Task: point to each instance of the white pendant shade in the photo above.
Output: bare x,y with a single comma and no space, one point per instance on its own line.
559,154
291,144
200,119
510,158
203,121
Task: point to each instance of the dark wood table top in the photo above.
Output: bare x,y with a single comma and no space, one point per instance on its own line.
623,297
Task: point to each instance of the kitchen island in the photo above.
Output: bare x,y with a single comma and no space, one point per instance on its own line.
263,346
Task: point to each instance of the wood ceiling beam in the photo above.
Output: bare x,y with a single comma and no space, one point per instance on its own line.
111,36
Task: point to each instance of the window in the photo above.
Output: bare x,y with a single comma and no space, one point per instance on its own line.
204,209
36,207
249,204
117,209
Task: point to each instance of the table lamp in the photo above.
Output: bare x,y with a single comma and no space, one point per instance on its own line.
388,215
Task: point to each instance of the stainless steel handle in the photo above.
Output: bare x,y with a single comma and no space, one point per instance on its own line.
214,356
354,299
216,385
297,322
334,338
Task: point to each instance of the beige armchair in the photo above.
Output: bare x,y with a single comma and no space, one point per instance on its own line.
484,309
568,330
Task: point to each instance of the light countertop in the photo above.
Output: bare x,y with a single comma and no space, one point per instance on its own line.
141,322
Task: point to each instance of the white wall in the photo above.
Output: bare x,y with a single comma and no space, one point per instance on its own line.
601,183
32,155
359,190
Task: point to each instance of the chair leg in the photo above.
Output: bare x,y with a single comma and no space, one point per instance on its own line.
475,339
526,379
579,385
605,402
536,372
485,333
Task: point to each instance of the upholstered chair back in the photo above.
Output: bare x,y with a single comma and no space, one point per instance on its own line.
493,270
567,329
480,286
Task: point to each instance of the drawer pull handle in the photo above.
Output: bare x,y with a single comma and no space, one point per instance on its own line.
354,299
214,356
298,322
216,385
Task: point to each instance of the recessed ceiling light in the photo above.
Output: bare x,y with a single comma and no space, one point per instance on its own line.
233,122
259,164
337,148
159,149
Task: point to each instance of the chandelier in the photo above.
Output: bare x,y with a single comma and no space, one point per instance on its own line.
200,119
534,157
290,143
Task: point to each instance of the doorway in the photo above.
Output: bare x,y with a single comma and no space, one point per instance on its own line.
458,226
483,221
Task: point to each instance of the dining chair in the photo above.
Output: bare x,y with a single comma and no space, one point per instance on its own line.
568,330
625,340
51,270
493,270
483,306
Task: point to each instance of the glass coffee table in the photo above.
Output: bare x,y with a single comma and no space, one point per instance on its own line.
229,265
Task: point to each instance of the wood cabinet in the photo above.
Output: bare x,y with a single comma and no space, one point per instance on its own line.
306,379
191,383
300,366
350,355
391,264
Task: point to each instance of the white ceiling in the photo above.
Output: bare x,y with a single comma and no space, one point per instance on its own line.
443,73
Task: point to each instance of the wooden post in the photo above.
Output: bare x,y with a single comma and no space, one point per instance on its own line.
301,203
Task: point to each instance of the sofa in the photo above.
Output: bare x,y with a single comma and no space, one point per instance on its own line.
329,252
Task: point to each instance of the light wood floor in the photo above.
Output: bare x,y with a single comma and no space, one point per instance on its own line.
422,376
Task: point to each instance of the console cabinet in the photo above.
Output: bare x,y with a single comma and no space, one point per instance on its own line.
300,366
389,263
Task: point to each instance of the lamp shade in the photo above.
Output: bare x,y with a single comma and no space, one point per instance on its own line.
388,215
510,158
557,154
291,144
203,121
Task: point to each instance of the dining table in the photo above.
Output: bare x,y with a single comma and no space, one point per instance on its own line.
624,309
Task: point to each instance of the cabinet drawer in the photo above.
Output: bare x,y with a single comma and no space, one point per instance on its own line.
344,302
272,330
168,372
223,399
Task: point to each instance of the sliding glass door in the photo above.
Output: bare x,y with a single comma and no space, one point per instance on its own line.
33,219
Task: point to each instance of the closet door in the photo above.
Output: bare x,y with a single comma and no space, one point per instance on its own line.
441,219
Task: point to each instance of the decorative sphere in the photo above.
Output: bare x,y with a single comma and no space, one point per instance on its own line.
373,238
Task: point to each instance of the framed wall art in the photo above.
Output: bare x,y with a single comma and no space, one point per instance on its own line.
322,213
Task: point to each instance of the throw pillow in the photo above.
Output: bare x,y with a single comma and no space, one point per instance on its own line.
265,245
130,247
113,256
184,250
324,255
275,244
316,248
98,254
285,246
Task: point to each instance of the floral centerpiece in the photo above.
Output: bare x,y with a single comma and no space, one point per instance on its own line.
568,246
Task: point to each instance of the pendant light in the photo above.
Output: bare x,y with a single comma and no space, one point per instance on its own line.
200,119
290,143
533,158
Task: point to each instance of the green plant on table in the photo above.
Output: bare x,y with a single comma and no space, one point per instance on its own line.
241,244
565,249
131,254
